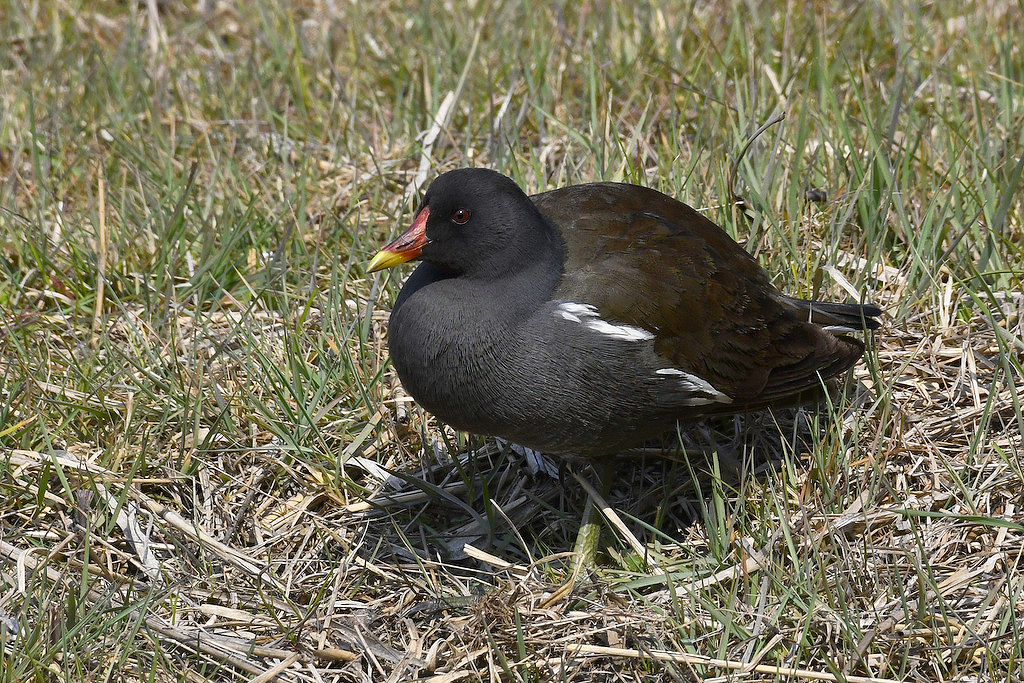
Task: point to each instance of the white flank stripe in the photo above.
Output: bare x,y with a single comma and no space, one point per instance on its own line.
569,316
704,392
577,309
623,332
586,315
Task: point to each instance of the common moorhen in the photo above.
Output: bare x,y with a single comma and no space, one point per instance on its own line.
589,319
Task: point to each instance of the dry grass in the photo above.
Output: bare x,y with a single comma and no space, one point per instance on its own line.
210,472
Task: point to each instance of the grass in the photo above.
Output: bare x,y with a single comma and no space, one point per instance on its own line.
210,472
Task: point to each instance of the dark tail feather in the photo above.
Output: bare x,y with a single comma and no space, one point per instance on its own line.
841,317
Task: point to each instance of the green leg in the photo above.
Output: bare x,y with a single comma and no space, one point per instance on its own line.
590,528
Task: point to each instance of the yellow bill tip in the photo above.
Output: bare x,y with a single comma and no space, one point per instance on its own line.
385,259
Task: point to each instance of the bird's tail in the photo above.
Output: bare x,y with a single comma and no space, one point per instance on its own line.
837,318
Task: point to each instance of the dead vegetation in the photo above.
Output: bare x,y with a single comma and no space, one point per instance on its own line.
209,471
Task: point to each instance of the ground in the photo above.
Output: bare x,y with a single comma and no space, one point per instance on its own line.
210,471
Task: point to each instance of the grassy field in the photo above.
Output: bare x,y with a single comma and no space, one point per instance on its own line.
209,471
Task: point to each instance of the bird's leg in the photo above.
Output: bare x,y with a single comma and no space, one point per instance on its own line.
589,534
590,528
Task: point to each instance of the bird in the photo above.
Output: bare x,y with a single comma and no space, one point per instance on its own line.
591,319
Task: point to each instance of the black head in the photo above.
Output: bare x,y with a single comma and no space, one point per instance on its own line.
473,222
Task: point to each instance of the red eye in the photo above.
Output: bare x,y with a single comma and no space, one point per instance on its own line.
460,216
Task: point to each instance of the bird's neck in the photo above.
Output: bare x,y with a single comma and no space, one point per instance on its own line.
467,330
469,301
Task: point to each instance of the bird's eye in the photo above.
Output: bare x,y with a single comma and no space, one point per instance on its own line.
460,216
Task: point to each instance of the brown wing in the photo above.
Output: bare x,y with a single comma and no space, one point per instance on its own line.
645,259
